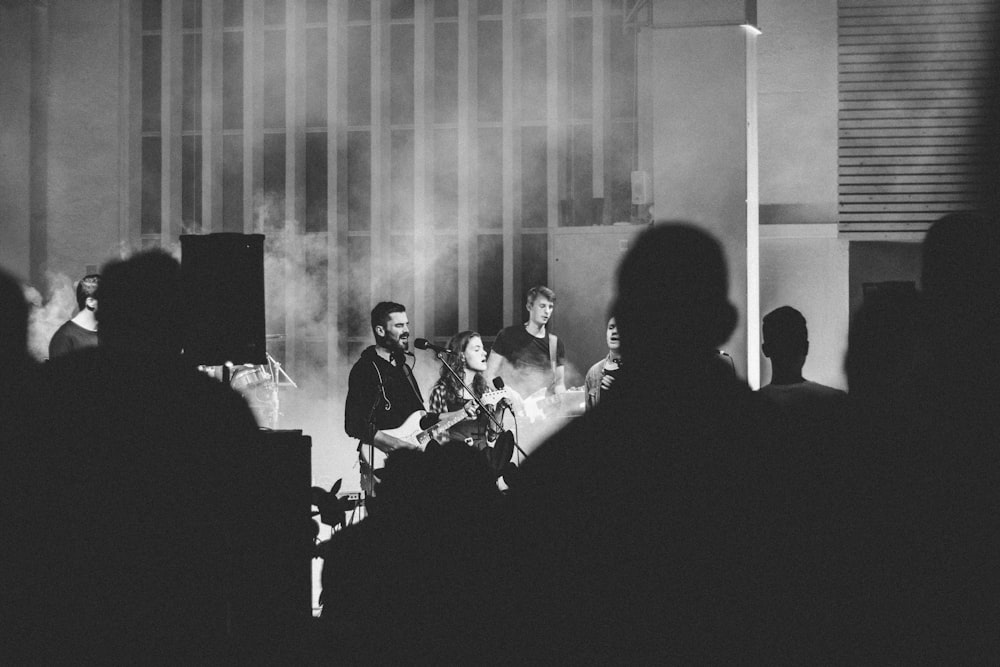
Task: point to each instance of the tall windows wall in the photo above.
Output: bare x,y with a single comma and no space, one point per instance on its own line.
418,150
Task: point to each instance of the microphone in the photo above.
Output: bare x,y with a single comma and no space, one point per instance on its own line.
424,344
499,385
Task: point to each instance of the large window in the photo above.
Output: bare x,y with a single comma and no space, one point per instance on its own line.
420,151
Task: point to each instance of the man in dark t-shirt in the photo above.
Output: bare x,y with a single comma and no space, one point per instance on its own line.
81,331
522,353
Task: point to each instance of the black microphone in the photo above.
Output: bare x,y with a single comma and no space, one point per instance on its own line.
424,344
498,383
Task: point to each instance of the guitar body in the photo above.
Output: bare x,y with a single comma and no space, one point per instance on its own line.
540,405
409,431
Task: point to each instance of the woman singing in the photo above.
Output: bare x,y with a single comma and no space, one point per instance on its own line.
468,360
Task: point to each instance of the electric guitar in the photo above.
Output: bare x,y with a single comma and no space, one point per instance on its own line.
540,405
410,431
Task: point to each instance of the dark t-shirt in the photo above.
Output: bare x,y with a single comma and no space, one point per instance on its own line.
528,357
70,337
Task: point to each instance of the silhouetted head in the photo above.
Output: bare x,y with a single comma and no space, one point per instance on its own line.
141,304
881,347
960,281
672,296
86,291
14,322
785,336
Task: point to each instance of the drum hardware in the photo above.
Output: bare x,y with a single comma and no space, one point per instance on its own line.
277,372
259,386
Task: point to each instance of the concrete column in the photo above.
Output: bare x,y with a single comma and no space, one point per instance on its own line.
698,68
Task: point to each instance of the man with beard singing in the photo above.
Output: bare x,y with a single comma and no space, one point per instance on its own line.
382,392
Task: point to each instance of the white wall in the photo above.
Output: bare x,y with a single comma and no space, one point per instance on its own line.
797,110
806,267
697,63
802,262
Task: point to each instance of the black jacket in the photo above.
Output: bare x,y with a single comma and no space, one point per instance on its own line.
380,396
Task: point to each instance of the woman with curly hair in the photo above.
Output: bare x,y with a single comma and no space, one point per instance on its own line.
468,360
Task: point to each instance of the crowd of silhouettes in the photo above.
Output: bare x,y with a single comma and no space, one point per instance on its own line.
684,517
688,518
127,526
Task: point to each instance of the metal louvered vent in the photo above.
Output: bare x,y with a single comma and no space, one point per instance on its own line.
913,77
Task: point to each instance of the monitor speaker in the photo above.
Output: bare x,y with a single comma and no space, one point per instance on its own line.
222,279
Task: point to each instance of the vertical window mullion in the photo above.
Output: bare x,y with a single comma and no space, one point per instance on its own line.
467,185
555,111
511,161
170,118
336,186
253,136
599,69
423,158
380,147
211,113
130,118
295,141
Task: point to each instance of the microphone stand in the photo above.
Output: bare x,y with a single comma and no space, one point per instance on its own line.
482,406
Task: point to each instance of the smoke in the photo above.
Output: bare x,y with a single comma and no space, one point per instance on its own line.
296,261
49,313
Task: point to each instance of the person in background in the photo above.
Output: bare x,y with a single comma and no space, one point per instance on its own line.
650,529
80,332
143,515
786,344
601,376
533,355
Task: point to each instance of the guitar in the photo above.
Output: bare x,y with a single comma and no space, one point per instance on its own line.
410,431
540,405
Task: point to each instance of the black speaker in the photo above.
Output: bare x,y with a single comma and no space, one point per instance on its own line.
222,278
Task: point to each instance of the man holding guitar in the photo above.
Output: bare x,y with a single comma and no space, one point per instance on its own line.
531,360
382,394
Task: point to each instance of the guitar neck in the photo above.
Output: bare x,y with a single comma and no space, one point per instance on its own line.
489,398
433,432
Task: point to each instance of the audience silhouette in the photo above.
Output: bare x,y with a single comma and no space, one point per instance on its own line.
939,488
786,344
14,324
650,528
18,515
684,518
418,580
139,520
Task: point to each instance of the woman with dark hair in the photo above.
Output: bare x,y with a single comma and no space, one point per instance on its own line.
468,360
